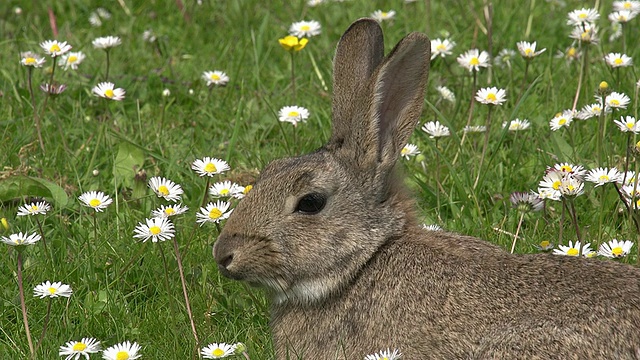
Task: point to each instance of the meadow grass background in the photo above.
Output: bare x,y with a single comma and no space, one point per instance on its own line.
119,288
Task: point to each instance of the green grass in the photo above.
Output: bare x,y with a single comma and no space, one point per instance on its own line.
120,292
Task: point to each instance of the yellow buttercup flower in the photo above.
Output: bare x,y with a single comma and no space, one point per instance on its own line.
293,43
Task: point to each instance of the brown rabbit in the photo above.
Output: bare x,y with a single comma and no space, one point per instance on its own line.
333,238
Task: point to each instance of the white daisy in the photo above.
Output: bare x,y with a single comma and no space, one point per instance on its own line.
223,189
628,124
21,239
432,227
589,111
528,50
314,3
446,94
215,77
166,211
474,129
548,193
566,169
217,351
123,351
585,33
441,47
409,150
53,89
104,13
618,60
526,201
561,120
213,212
491,96
381,16
34,208
96,200
544,245
505,56
94,19
573,250
156,229
579,17
75,349
30,59
622,16
517,124
293,114
552,180
52,290
601,176
106,42
165,188
242,191
627,178
385,355
305,29
629,5
149,36
107,90
617,100
474,60
571,186
55,48
71,60
210,166
435,129
615,32
615,248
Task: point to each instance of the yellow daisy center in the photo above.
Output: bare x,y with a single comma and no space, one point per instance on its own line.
566,168
627,5
79,346
169,211
573,252
217,352
215,77
491,97
210,168
528,52
122,355
617,251
585,36
155,230
562,121
224,191
556,184
52,290
293,114
108,93
571,52
54,48
474,61
630,125
384,14
617,61
441,47
305,27
404,151
604,178
582,16
34,208
215,213
544,244
30,61
249,187
615,102
570,187
163,190
95,202
72,59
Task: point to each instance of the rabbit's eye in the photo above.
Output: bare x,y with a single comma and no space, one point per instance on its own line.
311,204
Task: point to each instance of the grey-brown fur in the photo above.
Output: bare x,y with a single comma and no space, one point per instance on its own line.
361,276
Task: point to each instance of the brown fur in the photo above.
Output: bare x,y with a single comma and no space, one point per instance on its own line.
361,276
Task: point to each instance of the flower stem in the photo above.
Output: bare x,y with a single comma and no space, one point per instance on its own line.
206,192
515,237
471,105
24,306
583,70
46,324
184,290
293,77
106,76
36,118
484,146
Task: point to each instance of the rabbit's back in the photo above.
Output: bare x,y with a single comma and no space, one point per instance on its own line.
439,295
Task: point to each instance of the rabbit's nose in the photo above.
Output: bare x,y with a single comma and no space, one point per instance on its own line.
223,251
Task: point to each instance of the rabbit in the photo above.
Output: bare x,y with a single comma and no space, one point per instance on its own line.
333,238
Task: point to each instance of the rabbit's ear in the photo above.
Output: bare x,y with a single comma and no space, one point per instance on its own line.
370,132
358,54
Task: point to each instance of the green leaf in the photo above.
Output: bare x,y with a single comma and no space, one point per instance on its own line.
129,160
16,187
